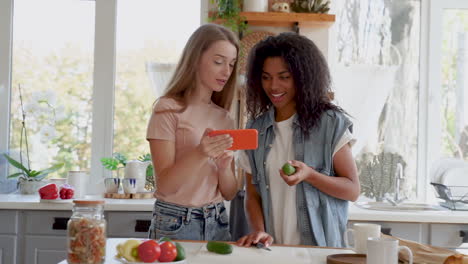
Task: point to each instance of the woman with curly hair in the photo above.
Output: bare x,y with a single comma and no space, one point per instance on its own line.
288,87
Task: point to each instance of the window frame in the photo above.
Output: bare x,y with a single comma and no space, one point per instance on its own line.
430,135
6,44
103,88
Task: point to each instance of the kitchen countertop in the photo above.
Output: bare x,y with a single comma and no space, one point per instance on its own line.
32,202
197,253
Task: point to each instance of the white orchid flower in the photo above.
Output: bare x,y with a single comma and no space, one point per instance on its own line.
51,97
47,133
32,109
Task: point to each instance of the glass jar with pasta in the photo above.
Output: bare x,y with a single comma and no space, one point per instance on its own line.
87,233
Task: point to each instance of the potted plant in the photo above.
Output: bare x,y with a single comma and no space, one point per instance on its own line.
228,11
30,180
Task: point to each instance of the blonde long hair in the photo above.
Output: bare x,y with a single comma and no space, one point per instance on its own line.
182,83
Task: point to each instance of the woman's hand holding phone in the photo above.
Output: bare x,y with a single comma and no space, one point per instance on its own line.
214,146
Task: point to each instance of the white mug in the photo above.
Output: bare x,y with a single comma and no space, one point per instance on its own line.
130,185
384,250
112,185
361,232
79,180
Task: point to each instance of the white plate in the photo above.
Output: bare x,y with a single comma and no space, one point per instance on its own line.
58,200
122,260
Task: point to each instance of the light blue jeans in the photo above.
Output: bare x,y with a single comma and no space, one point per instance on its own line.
209,222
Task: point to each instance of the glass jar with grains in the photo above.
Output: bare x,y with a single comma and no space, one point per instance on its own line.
87,233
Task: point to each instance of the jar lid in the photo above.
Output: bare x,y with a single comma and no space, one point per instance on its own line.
86,202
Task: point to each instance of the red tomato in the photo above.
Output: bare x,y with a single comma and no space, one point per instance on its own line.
149,251
168,252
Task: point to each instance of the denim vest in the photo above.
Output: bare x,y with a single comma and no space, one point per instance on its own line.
321,218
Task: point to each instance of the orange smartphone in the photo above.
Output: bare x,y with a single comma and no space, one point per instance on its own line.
243,138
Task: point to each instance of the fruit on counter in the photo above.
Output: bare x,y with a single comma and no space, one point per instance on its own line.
219,247
149,251
180,252
288,169
162,239
49,191
125,250
66,191
168,251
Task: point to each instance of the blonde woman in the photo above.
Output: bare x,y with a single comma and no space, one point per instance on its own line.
194,172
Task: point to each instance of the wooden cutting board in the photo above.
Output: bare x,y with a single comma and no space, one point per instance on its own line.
346,259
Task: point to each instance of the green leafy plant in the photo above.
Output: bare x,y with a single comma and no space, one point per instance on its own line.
30,175
229,13
310,6
115,162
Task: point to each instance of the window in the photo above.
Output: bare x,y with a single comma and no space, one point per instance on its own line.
447,96
377,83
148,36
454,87
53,69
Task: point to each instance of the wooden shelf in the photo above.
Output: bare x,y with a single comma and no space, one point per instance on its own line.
278,19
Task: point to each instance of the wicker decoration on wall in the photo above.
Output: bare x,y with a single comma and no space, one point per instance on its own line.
247,42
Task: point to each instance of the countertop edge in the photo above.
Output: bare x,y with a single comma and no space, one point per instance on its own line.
31,202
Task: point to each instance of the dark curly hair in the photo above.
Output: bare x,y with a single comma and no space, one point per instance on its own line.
310,73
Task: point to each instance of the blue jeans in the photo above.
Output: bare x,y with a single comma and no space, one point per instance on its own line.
209,222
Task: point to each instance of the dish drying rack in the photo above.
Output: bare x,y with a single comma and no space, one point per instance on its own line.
453,197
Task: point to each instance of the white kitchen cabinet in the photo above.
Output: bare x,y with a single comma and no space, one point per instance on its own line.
8,236
45,239
44,249
8,249
128,224
453,236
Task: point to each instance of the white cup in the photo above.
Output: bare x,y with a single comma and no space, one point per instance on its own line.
112,185
79,180
384,250
361,232
130,185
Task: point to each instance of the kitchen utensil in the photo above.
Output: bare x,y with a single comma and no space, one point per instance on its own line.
262,246
346,259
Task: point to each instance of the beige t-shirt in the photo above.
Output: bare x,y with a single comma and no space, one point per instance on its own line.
186,129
